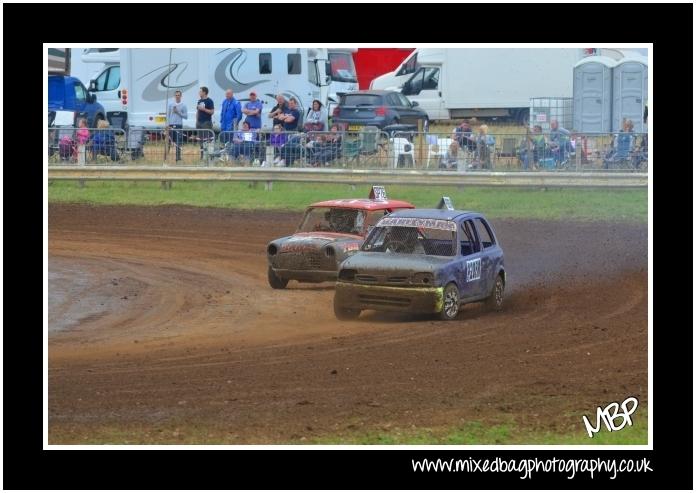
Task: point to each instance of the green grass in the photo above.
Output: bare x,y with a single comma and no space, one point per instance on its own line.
569,203
471,433
475,433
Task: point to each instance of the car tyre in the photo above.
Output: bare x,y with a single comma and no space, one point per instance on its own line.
450,302
275,281
345,313
495,299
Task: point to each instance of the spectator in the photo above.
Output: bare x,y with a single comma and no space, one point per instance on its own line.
559,142
176,114
104,142
463,135
451,157
483,152
278,110
291,116
278,140
230,115
245,142
82,137
622,145
316,118
536,143
252,110
204,115
327,147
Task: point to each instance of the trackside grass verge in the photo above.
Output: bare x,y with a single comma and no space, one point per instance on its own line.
523,203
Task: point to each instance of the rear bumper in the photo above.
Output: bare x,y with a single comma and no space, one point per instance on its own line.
306,275
388,298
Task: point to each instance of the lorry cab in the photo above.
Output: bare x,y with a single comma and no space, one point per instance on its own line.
69,94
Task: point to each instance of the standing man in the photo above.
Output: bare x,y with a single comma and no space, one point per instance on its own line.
204,115
230,115
176,114
278,110
252,110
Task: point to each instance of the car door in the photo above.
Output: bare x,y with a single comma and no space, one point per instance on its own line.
410,114
81,106
424,88
491,254
469,276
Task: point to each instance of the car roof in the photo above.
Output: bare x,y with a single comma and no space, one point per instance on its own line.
364,204
444,214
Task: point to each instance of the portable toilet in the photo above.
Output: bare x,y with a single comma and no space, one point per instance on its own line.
592,96
630,92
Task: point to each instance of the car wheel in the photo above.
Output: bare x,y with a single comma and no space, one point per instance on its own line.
450,302
344,313
275,281
495,299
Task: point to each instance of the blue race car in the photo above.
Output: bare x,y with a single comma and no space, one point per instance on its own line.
423,261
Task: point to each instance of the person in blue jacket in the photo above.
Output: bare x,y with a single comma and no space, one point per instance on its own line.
230,116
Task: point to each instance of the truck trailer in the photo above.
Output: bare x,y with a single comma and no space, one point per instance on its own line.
453,83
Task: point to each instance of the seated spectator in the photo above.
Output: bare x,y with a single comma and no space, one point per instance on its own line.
484,142
104,141
316,118
559,142
622,145
327,147
464,136
277,140
450,159
536,146
245,143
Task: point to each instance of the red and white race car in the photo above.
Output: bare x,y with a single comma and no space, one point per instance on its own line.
329,232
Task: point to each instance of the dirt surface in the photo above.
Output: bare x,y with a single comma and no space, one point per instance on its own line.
161,319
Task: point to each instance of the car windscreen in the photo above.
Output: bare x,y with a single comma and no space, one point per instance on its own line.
416,238
362,100
333,220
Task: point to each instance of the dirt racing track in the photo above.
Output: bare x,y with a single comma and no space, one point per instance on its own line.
161,321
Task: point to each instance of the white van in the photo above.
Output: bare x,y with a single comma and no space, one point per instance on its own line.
454,83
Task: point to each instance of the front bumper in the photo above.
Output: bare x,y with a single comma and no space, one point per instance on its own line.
388,298
306,275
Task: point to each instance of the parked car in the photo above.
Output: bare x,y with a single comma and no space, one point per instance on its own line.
377,108
423,261
69,94
329,232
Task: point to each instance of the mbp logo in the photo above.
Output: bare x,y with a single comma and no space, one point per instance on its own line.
609,414
473,269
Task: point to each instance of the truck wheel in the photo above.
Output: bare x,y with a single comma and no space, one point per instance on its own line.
275,281
450,302
495,299
344,313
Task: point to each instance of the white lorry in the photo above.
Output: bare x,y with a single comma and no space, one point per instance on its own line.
453,83
148,78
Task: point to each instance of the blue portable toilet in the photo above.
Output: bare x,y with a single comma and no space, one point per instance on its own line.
630,92
592,94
